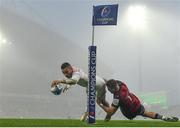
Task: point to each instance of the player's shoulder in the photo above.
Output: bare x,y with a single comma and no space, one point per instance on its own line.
76,69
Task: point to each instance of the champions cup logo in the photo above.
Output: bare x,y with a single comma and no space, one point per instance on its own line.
105,11
92,115
92,84
105,14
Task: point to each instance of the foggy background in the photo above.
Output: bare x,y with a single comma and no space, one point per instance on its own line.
37,36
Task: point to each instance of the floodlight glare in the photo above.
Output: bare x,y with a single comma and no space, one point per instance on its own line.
4,41
137,16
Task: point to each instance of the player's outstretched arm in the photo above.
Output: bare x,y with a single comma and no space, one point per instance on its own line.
68,81
55,82
109,110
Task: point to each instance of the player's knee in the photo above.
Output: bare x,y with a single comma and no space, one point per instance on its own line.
98,100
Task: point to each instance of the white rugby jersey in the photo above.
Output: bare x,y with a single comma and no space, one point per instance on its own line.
81,78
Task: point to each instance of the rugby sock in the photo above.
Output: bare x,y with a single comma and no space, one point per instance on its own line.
158,116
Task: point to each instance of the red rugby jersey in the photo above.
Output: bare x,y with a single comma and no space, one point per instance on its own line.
127,101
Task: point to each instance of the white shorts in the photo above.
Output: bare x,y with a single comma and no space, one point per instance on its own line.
100,88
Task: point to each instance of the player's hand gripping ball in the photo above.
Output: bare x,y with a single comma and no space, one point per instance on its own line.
56,90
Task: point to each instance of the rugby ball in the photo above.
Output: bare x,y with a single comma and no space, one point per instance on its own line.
57,90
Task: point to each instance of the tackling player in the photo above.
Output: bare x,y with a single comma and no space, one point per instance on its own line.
75,76
128,103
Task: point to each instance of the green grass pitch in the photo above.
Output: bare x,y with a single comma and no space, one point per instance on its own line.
77,123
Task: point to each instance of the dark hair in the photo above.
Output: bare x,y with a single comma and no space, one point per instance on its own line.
111,82
64,65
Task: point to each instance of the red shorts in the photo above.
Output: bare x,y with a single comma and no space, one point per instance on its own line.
131,115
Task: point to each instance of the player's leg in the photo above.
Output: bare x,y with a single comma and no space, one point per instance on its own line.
145,113
101,96
102,100
107,118
105,103
85,114
154,115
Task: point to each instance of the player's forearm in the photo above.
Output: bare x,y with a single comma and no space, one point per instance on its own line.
108,110
68,81
55,82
